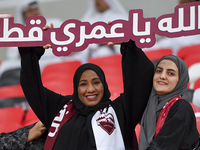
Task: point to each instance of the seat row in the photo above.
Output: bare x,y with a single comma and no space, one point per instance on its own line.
59,78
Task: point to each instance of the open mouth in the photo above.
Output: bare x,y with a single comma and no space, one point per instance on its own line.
91,97
162,83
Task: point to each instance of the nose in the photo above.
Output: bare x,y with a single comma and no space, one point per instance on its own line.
163,75
90,88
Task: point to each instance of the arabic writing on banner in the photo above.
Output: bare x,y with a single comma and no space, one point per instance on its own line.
74,35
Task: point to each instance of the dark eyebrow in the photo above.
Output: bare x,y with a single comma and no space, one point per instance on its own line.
159,68
171,70
96,78
167,69
82,80
92,79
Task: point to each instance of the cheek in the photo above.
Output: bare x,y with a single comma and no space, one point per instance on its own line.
175,82
101,89
81,91
155,77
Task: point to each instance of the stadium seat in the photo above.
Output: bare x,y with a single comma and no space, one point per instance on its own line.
137,131
155,55
30,118
58,77
194,74
10,77
197,84
195,109
197,115
188,50
111,65
11,91
188,95
10,119
192,59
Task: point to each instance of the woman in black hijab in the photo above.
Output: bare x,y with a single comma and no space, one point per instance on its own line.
169,122
88,119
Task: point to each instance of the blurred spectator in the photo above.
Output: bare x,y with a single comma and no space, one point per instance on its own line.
10,68
176,43
28,137
24,10
102,10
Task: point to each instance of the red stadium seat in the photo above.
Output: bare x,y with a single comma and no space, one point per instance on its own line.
156,54
10,119
195,109
197,114
11,91
30,118
194,74
58,77
192,59
111,65
137,131
188,50
197,84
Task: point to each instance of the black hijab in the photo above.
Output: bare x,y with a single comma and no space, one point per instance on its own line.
105,101
77,133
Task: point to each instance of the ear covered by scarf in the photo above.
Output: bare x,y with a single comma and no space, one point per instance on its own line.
105,101
156,102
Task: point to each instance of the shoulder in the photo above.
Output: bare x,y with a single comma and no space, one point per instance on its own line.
181,108
182,104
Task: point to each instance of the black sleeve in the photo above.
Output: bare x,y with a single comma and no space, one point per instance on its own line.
138,78
179,130
14,140
43,101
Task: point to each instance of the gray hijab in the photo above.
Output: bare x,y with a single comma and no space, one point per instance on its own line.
156,103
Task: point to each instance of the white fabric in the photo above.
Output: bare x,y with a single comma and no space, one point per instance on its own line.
12,52
196,98
175,43
48,57
105,141
194,73
20,9
115,12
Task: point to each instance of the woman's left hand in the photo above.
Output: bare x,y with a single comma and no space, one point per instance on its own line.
46,28
35,132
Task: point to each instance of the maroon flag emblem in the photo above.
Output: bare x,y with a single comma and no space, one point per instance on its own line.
106,122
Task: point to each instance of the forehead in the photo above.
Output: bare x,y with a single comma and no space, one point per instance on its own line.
89,74
167,64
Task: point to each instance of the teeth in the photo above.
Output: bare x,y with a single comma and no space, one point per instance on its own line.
161,83
92,96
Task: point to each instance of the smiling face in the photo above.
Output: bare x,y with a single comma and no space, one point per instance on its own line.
166,77
90,88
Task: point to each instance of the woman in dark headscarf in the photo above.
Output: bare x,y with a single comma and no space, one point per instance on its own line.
88,119
168,122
